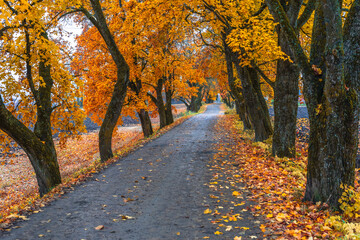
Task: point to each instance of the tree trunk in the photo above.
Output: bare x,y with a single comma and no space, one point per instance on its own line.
38,145
255,102
286,93
41,155
117,100
244,116
168,107
112,115
145,123
195,104
160,103
251,93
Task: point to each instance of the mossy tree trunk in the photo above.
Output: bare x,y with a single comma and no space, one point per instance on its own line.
255,102
331,89
228,100
250,92
118,96
286,91
195,103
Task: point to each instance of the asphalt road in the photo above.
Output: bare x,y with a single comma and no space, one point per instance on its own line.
157,192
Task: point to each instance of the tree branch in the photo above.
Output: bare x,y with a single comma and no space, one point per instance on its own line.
261,9
262,74
309,9
300,58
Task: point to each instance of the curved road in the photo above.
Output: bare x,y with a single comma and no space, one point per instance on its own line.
157,192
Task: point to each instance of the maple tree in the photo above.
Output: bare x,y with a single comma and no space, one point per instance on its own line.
38,94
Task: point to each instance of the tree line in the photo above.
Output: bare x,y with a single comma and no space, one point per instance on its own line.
136,56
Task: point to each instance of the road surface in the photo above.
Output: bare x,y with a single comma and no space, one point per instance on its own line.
158,192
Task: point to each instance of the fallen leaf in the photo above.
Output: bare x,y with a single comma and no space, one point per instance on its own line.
100,227
207,211
235,193
228,228
124,217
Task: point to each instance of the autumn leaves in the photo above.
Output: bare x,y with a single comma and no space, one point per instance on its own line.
133,57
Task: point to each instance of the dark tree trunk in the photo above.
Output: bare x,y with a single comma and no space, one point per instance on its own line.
243,114
255,102
160,103
143,114
331,93
195,103
117,100
285,108
42,157
235,91
286,93
145,123
228,101
168,107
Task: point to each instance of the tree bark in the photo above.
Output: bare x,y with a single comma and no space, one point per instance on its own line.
243,114
255,102
286,93
145,123
195,103
42,157
251,93
168,107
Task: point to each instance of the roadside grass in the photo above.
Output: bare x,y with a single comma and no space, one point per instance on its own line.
78,161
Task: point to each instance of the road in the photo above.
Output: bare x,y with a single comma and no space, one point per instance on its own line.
157,192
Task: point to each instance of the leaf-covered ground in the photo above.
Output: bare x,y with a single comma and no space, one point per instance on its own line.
18,186
275,185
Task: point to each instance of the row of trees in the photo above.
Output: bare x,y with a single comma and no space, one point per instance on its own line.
132,57
135,56
315,40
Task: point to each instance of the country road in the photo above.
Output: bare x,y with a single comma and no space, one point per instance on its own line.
157,192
